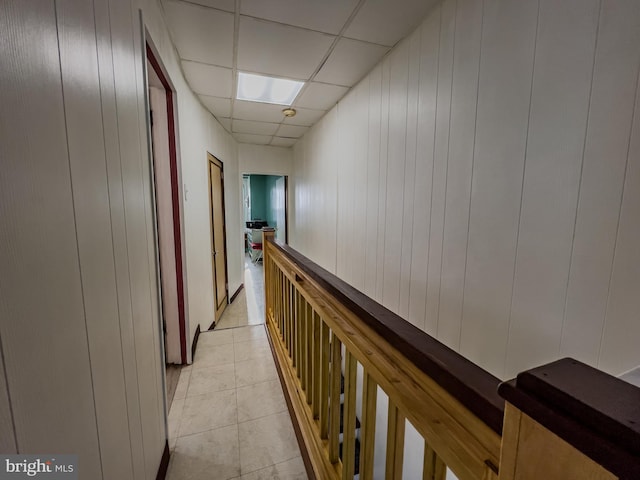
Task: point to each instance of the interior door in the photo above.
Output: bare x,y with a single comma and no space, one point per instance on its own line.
218,247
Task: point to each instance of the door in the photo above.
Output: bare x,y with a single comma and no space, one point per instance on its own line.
218,247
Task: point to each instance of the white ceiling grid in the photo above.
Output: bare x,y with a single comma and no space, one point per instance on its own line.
329,44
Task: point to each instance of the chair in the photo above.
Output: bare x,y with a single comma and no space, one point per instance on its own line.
255,244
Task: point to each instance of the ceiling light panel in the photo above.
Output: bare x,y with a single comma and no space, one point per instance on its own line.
258,88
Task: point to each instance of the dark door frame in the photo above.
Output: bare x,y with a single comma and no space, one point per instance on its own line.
175,199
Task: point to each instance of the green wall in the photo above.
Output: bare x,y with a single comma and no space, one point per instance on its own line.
270,196
263,198
258,197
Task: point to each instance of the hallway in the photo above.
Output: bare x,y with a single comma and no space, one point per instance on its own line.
229,419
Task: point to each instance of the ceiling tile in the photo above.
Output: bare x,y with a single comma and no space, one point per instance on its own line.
350,61
226,123
292,131
220,107
325,16
255,139
227,5
257,128
385,22
305,117
207,79
201,34
262,112
321,96
283,142
280,50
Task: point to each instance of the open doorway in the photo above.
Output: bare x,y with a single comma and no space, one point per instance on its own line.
264,204
167,200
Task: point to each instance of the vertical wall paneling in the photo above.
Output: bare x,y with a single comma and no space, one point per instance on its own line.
347,145
440,161
509,32
515,236
358,216
559,102
399,76
622,329
427,94
372,249
119,236
605,156
464,97
80,82
42,320
409,207
382,178
156,347
135,222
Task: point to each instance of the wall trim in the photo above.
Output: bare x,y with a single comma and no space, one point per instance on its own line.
195,342
233,297
164,462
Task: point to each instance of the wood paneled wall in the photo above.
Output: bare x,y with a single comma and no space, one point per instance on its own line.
79,314
483,182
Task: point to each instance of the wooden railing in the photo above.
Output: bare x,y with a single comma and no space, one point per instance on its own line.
337,349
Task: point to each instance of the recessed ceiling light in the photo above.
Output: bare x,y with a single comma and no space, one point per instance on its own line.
257,88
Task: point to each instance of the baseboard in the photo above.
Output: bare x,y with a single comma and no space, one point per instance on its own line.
164,463
233,297
195,343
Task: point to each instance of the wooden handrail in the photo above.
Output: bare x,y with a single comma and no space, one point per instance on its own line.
472,386
335,349
434,388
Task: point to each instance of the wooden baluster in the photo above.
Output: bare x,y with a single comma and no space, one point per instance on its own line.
334,407
315,374
368,426
297,361
349,430
285,317
288,314
434,468
294,319
395,443
324,380
303,349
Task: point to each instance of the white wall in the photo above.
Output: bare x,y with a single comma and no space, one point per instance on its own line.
482,182
199,132
264,160
79,312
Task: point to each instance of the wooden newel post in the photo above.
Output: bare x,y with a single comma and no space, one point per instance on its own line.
568,421
268,234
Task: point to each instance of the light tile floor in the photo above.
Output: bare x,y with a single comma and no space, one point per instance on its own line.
229,419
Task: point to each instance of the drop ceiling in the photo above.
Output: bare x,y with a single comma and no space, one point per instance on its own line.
328,44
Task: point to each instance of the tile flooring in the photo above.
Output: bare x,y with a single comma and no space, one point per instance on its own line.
229,419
